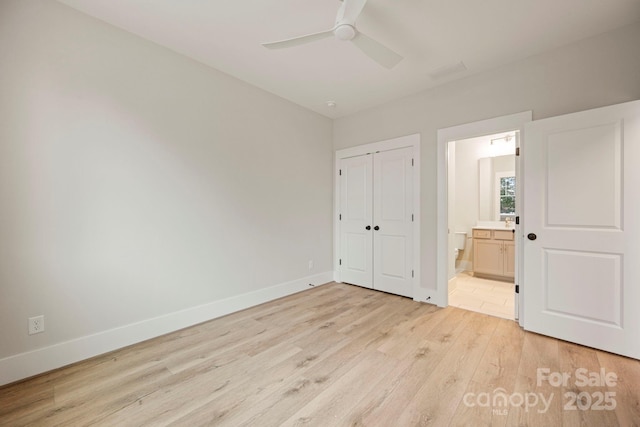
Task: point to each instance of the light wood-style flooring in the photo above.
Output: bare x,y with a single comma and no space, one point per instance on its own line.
336,355
493,297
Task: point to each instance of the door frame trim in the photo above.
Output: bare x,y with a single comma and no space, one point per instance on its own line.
385,145
465,131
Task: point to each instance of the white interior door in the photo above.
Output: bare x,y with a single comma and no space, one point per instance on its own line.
356,239
392,220
582,272
376,221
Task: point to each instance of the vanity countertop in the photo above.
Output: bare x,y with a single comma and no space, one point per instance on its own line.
493,227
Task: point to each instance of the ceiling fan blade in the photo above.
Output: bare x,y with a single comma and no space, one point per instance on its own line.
350,10
296,41
376,51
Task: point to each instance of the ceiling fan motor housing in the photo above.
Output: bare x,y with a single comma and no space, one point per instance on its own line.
345,32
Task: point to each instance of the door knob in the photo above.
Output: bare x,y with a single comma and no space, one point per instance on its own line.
368,227
531,236
376,228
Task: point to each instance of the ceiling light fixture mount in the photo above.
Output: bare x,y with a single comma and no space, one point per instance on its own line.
331,104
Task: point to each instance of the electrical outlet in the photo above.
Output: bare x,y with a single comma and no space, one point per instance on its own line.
310,264
36,325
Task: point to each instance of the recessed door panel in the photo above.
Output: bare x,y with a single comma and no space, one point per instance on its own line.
488,257
597,296
584,165
355,258
393,256
393,192
357,178
509,259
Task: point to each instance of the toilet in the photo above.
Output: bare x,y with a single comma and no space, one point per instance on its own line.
460,241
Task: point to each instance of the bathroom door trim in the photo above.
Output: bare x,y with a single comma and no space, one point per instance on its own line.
469,130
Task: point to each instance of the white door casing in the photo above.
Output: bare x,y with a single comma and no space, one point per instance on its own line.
511,122
581,273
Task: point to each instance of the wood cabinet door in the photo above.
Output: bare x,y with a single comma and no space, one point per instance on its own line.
488,257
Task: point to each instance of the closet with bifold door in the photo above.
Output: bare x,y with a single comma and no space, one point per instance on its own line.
376,220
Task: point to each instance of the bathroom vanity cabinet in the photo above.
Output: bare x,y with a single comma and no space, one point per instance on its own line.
494,253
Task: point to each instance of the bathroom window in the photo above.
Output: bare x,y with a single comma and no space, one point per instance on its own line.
506,195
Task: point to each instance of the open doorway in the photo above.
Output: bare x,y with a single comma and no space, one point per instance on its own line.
482,210
513,123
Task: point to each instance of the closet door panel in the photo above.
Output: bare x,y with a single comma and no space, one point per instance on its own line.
392,220
356,215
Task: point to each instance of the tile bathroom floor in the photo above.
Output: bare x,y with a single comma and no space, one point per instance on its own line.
492,297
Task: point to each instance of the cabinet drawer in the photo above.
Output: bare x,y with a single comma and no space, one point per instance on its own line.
503,234
481,234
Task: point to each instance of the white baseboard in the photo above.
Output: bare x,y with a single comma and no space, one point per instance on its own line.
464,265
452,284
25,365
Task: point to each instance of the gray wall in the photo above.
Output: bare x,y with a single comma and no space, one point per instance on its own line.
135,182
591,73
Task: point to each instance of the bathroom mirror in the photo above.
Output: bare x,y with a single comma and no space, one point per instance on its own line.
496,187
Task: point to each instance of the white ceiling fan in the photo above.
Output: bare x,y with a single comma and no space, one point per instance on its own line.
345,30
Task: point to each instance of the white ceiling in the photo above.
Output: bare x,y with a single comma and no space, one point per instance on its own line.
430,34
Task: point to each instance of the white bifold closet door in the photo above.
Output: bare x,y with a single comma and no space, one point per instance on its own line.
376,220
